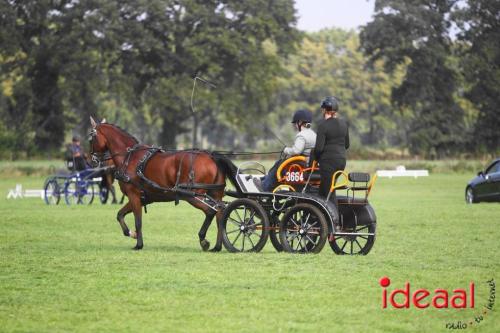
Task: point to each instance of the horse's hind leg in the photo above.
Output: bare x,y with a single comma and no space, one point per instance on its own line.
204,243
113,194
218,243
209,216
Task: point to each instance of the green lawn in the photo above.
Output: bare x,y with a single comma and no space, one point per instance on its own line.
70,269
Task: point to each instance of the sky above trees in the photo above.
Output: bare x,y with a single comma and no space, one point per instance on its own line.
315,15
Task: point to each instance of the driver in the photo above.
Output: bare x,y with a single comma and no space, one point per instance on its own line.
77,154
332,143
304,142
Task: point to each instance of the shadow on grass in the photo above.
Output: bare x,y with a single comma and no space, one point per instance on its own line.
150,248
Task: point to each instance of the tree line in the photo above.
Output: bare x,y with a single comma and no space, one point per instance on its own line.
421,77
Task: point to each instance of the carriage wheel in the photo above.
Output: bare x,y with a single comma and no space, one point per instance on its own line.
303,229
274,232
354,244
103,194
86,193
78,192
245,226
51,192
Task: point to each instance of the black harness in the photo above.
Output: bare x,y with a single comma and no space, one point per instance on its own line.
180,190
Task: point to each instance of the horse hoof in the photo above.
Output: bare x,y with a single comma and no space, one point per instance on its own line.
137,248
216,249
133,234
205,245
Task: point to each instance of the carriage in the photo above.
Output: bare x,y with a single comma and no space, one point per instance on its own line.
76,186
294,216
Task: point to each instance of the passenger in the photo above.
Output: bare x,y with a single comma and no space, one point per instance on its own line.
331,144
304,142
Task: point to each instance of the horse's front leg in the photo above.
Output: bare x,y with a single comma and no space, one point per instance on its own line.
135,200
121,219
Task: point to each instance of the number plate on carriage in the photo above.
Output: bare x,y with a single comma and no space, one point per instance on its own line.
294,176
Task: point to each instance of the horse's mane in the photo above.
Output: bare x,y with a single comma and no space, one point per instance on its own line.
124,132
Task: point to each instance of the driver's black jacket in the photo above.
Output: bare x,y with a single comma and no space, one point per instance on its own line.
332,140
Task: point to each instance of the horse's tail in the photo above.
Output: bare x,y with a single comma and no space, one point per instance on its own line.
227,167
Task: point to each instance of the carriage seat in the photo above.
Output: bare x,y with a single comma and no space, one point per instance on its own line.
359,177
76,163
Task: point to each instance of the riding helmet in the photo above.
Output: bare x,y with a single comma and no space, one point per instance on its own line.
302,115
330,104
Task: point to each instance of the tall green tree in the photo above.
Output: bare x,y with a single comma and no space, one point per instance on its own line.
417,32
76,58
479,21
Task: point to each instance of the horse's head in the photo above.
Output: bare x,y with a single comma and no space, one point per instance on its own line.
99,150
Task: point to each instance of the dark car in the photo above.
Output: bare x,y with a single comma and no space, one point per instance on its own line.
486,186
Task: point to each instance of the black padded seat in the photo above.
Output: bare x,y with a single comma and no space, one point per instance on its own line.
359,177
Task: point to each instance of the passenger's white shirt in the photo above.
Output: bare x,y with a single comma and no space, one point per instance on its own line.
305,140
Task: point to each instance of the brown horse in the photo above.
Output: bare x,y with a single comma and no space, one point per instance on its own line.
194,176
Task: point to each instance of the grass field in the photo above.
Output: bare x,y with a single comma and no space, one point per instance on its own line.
70,269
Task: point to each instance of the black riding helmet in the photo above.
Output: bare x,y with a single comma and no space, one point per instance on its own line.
330,104
302,115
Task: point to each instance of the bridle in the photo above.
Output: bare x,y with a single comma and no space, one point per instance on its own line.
97,159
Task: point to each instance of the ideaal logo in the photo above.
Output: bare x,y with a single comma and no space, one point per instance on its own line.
440,299
423,298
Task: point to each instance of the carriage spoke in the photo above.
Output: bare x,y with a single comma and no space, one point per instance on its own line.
302,243
360,247
243,246
234,221
295,223
310,239
251,216
245,215
307,219
299,244
253,233
236,239
351,246
232,231
250,239
343,246
294,235
238,213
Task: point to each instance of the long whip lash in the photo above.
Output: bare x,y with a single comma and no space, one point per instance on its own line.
213,85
